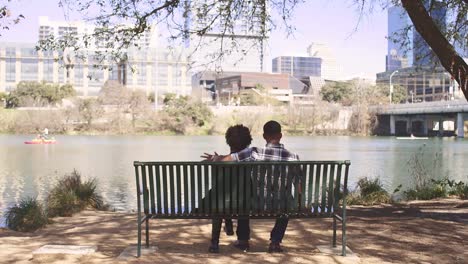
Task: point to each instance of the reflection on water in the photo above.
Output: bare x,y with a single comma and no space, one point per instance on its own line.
31,170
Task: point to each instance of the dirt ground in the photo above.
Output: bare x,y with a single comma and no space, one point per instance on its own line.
416,232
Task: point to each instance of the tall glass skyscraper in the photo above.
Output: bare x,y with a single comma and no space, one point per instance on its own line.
422,53
396,57
461,46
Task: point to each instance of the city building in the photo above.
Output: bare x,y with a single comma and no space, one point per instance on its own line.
461,46
398,25
301,67
422,54
329,66
241,48
279,86
425,80
422,84
204,84
149,70
78,29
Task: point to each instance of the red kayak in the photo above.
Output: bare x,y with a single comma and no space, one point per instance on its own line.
41,141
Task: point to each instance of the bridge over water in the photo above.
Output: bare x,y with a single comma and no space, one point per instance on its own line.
439,118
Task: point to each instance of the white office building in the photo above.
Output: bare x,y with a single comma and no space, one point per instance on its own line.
62,29
150,68
330,69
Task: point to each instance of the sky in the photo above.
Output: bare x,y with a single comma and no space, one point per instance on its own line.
359,52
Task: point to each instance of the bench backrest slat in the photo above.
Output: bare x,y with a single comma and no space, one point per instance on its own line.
151,179
324,187
331,182
337,186
310,181
186,190
192,178
158,192
250,188
145,190
316,180
165,188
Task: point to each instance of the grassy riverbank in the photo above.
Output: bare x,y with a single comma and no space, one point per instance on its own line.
204,121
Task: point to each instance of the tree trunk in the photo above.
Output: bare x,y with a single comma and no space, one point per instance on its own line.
447,55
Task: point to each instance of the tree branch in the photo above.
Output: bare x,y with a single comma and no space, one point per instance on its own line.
447,55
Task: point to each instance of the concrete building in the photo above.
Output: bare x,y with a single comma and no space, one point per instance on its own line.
279,86
150,70
423,84
330,69
301,67
63,29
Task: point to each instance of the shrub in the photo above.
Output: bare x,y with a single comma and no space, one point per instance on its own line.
460,189
368,192
71,195
62,202
183,113
368,186
425,193
28,216
38,94
437,189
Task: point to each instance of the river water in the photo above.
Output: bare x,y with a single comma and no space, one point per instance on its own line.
31,170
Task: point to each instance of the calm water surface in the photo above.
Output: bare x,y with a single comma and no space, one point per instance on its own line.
31,170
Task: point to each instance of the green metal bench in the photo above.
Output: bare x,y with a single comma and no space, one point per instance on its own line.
257,190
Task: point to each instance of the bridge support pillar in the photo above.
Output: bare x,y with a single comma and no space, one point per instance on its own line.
424,124
409,125
460,125
392,125
441,127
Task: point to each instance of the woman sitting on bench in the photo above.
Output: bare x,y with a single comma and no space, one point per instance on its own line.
238,138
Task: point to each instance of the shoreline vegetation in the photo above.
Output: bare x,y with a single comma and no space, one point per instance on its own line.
70,195
166,121
117,110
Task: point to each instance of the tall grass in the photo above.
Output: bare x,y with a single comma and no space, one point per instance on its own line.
71,195
428,181
68,196
368,192
29,215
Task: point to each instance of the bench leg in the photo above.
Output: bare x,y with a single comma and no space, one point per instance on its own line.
343,237
334,231
147,232
139,237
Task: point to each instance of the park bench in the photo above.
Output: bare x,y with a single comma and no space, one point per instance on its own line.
257,190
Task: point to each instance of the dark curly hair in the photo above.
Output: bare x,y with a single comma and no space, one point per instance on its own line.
238,137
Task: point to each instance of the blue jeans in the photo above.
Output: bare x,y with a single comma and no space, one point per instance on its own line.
276,235
243,229
216,228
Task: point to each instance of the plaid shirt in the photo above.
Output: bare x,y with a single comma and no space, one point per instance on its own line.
271,152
